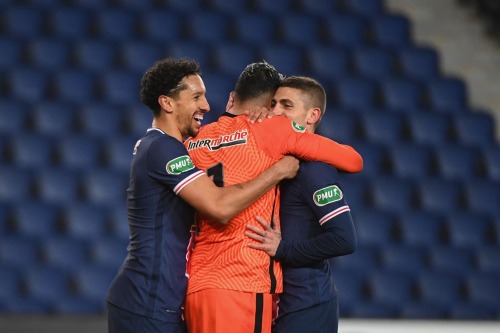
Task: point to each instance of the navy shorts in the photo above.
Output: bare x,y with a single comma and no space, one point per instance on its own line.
321,318
123,321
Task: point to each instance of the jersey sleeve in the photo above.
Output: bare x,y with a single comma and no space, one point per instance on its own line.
324,196
279,136
169,163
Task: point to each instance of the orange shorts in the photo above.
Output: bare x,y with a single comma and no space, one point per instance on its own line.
228,311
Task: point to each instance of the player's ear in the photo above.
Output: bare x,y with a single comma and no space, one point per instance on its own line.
313,116
165,103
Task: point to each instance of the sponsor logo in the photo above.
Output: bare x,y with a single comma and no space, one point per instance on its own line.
136,146
297,128
327,195
223,141
179,165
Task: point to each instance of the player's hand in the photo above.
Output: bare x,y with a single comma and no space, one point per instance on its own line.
288,166
268,239
258,114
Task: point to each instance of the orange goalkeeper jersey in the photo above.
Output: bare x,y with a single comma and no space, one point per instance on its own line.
232,150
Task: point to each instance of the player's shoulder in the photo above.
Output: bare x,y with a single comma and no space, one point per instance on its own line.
315,169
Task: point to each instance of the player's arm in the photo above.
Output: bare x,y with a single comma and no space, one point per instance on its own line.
279,136
222,203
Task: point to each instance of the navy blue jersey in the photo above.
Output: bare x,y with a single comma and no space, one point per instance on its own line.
316,224
152,280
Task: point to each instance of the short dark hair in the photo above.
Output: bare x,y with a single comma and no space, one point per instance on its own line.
316,96
164,78
257,78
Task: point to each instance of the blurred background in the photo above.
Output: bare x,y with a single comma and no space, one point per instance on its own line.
412,85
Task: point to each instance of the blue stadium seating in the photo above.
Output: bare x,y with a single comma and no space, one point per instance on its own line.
85,221
139,55
440,195
447,94
48,53
183,5
232,58
287,59
346,30
301,30
69,23
419,62
393,194
355,191
115,24
109,252
35,218
78,152
19,251
488,259
120,87
355,93
364,260
483,196
66,253
209,26
394,288
457,161
491,161
391,30
254,28
28,84
92,281
105,187
119,152
118,222
53,119
328,61
10,283
59,186
351,289
46,283
160,25
230,7
411,160
473,311
94,55
74,86
363,8
430,128
468,229
439,287
32,150
421,228
455,260
401,94
424,310
191,49
137,120
475,128
22,21
409,259
78,305
11,52
373,62
16,184
339,125
374,227
319,7
101,120
274,7
483,287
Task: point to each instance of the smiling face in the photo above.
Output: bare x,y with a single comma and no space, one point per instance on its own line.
190,105
292,104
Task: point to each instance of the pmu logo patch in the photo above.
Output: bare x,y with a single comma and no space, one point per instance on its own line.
327,195
179,165
297,128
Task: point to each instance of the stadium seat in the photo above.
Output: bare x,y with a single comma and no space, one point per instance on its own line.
370,9
491,161
69,23
35,218
53,119
105,187
93,281
439,287
190,49
319,7
374,310
74,86
299,29
430,128
79,152
473,311
11,52
85,221
32,151
48,53
424,310
118,152
457,161
287,59
218,88
109,252
351,289
355,93
488,259
64,253
22,21
19,251
186,6
232,58
27,306
391,30
363,261
16,184
59,186
383,127
115,24
373,62
254,28
10,279
411,161
94,55
401,94
274,7
441,196
119,222
409,259
28,84
101,120
161,25
137,120
483,196
78,305
447,94
120,87
483,287
421,228
468,229
452,259
419,62
339,125
346,30
393,194
46,283
138,56
328,61
475,128
374,227
13,118
355,191
207,27
390,287
230,7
